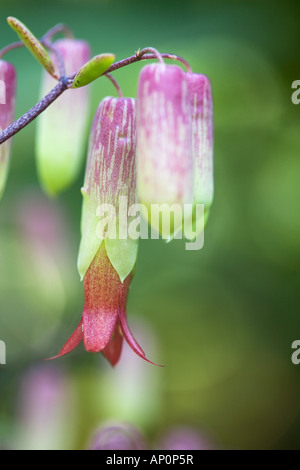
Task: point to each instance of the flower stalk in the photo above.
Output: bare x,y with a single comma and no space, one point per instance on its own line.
66,82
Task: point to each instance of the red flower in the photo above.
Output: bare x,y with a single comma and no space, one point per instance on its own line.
104,324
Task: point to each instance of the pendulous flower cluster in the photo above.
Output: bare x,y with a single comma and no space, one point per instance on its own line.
156,150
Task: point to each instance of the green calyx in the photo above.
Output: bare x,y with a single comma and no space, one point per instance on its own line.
93,69
122,253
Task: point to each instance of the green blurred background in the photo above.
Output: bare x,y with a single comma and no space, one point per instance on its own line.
222,319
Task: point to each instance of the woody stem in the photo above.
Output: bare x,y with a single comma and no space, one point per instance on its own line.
141,55
28,117
65,82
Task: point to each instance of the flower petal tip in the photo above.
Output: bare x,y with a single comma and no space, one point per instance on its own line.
153,363
113,350
71,344
53,357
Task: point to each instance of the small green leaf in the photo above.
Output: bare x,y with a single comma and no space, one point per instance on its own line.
33,44
93,69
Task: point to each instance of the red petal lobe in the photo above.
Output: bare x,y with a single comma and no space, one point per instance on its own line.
72,342
113,350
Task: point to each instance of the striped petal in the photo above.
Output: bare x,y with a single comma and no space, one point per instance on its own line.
110,174
202,137
164,140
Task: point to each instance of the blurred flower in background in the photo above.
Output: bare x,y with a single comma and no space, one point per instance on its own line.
118,437
132,392
122,436
45,414
62,128
184,438
37,284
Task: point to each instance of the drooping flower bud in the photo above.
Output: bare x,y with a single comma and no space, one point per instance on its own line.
164,142
7,112
106,261
202,139
62,127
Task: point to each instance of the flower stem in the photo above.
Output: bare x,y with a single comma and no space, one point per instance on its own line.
59,57
10,47
138,56
59,28
179,59
115,83
153,51
65,82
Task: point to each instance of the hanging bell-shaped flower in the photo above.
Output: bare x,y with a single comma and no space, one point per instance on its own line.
164,144
106,260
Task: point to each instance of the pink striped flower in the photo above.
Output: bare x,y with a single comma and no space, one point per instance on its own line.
202,138
7,112
107,264
62,127
164,139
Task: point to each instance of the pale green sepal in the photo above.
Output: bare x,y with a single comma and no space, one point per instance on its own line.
122,255
192,224
165,219
90,241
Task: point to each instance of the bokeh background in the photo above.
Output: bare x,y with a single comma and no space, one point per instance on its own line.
222,319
